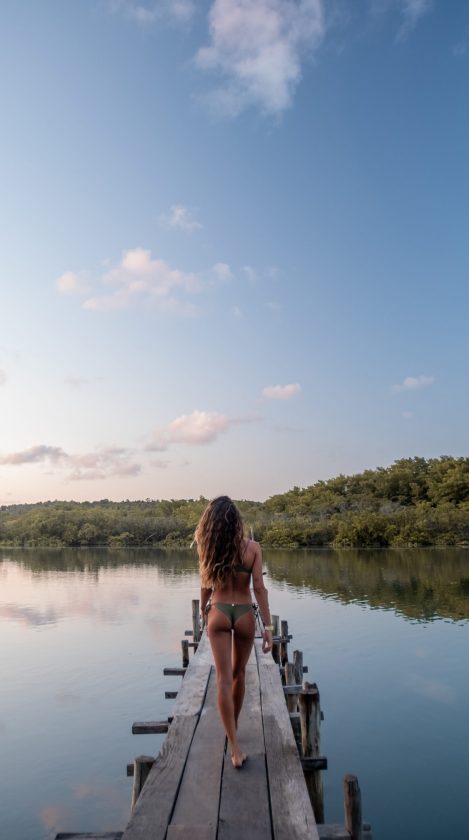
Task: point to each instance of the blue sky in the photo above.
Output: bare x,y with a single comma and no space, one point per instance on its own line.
233,243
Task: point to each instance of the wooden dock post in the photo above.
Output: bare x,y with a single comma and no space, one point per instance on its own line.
284,643
298,665
310,719
353,807
185,653
292,699
142,767
195,622
275,645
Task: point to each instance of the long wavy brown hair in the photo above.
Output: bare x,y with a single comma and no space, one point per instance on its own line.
219,538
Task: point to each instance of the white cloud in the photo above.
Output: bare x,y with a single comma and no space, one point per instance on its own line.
146,14
140,279
414,383
281,392
250,273
198,428
258,47
412,11
222,272
71,283
101,463
34,455
182,218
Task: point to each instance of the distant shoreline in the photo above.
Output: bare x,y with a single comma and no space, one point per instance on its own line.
413,503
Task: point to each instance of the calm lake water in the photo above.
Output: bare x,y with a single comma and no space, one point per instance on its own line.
85,634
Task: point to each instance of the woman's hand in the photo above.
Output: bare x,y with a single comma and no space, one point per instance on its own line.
266,641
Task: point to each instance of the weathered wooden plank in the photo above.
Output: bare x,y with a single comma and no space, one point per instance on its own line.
108,835
170,695
199,793
150,727
174,672
156,801
193,687
189,832
292,814
244,801
295,689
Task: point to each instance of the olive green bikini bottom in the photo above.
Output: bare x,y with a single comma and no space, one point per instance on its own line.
233,611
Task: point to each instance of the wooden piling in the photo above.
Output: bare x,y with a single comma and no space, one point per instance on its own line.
296,726
284,643
195,620
310,720
275,645
142,767
185,653
292,699
353,807
298,665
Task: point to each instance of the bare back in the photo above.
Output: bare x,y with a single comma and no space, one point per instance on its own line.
237,589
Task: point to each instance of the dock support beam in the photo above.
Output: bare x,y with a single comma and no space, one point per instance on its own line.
353,807
142,767
310,720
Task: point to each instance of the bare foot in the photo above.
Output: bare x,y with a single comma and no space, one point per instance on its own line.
238,759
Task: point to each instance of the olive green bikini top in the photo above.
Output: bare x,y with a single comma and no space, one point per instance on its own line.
240,567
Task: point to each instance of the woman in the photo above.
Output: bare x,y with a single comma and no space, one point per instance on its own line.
227,560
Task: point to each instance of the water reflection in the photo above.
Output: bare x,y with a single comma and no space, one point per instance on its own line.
91,560
420,584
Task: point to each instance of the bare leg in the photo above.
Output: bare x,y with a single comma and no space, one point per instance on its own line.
219,633
243,638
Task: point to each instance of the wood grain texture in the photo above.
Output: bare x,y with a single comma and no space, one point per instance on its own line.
199,794
244,801
193,687
153,809
155,804
292,814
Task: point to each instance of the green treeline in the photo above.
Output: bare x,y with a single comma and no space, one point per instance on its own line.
414,502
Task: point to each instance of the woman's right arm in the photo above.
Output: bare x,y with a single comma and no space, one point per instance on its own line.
261,594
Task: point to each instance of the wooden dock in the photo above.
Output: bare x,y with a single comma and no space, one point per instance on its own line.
191,791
